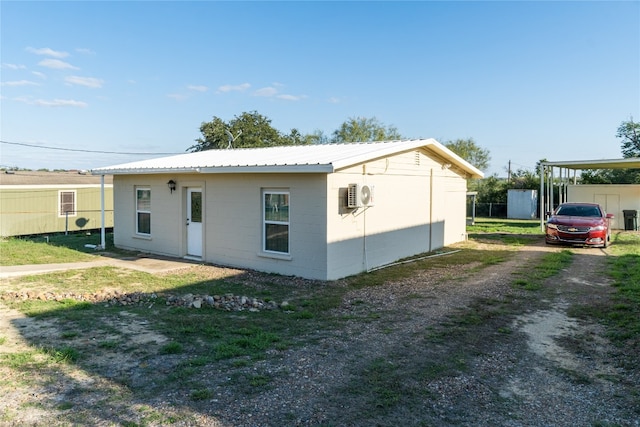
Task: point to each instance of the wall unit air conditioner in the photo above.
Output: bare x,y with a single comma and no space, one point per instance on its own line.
360,195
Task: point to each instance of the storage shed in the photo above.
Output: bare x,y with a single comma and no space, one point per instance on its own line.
315,211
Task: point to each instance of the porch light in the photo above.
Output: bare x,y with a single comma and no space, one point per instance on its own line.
172,185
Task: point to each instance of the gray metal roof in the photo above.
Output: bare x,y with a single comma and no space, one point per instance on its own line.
320,158
631,163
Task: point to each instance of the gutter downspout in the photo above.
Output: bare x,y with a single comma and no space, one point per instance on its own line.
103,243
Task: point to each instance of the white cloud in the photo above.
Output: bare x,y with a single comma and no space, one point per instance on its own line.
85,51
272,92
177,96
14,66
39,74
48,52
237,88
60,103
266,91
198,88
290,97
24,99
57,64
84,81
334,100
20,83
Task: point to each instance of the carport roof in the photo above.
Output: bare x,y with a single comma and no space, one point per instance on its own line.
630,163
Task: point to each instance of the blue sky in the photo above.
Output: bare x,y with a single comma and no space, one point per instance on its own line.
525,80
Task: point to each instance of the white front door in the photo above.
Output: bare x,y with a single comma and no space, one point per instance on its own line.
194,222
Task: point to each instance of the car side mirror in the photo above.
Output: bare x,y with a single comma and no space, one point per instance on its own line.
610,216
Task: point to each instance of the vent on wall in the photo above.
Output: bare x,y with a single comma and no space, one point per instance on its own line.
360,195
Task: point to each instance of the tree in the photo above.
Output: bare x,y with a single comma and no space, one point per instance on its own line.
361,129
471,152
629,132
248,129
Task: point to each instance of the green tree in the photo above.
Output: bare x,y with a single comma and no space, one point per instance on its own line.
491,190
361,129
248,129
471,152
629,132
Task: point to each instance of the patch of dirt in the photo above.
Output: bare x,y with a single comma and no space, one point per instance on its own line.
448,346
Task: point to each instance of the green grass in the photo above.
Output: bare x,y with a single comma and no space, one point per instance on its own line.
53,248
501,225
533,277
199,340
16,251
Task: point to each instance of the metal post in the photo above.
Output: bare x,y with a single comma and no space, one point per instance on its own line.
103,243
473,210
66,222
542,198
551,198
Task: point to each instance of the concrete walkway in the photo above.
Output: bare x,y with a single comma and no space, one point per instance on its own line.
148,265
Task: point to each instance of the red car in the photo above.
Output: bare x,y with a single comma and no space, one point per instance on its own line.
579,224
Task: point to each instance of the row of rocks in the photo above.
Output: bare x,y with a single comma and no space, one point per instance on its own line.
227,302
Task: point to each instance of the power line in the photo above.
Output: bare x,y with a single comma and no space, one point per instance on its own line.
86,151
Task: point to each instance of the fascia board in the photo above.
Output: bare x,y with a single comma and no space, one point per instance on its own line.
140,171
630,163
328,168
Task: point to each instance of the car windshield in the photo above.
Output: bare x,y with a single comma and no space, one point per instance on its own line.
579,211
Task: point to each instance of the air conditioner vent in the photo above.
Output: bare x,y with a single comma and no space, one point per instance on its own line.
360,195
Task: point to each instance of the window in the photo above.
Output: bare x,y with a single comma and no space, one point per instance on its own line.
276,221
143,210
67,203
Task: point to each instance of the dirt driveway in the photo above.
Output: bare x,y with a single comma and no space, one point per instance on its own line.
447,347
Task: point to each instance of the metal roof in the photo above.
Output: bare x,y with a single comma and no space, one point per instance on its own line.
319,158
630,163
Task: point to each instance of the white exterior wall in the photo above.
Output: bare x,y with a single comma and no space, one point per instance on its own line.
232,219
403,220
166,218
614,198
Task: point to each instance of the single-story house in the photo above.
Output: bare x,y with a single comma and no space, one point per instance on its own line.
37,202
315,211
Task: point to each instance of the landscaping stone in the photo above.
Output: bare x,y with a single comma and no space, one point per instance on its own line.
227,302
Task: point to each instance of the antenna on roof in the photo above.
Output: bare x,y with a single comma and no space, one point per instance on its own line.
232,138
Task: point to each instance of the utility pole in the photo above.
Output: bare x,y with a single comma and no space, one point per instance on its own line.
509,178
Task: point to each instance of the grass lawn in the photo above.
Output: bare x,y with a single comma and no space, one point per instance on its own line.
235,340
52,248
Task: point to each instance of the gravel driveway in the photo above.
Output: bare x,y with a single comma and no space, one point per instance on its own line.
446,347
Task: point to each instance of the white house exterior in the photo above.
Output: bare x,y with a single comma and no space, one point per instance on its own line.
286,209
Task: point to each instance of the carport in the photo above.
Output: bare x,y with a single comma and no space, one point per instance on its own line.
565,177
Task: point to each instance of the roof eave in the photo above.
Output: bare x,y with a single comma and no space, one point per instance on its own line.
629,162
326,168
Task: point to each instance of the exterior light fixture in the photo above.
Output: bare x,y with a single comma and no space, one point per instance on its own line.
172,185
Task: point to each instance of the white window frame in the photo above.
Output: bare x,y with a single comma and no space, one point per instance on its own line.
142,211
265,221
61,212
